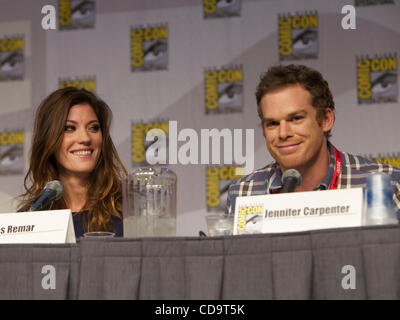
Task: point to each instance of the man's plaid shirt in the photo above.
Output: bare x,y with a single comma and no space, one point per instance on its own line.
355,170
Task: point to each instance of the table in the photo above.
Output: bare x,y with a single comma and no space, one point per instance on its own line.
301,265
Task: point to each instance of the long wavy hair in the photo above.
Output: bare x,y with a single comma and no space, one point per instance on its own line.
104,189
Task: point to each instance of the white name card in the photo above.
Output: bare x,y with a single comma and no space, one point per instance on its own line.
298,211
52,226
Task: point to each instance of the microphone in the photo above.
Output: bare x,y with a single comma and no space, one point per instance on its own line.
290,179
53,190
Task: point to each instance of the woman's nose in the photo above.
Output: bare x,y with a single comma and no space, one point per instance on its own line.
84,136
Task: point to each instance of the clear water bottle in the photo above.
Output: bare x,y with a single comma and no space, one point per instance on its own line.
149,202
379,207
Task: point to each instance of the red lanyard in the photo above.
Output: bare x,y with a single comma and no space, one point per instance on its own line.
338,170
336,173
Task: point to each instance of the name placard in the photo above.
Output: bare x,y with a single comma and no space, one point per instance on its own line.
298,211
52,226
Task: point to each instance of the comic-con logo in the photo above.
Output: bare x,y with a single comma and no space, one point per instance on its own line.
250,219
221,8
149,48
11,152
363,3
377,79
298,36
218,180
76,14
223,89
88,83
391,159
142,141
12,58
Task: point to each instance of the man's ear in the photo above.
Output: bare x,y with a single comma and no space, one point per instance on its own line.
262,128
328,120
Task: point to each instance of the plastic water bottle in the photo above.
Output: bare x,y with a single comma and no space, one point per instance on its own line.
379,208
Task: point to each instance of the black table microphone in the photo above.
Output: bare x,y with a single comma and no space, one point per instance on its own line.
53,190
290,179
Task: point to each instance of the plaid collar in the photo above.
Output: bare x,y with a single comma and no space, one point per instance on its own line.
325,183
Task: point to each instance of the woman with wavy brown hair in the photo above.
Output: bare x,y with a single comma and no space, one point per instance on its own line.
72,143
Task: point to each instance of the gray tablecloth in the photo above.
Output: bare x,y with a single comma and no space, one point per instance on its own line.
306,265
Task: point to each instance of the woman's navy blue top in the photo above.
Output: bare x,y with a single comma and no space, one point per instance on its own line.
79,230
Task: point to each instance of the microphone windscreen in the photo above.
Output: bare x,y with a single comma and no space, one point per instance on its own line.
291,173
57,186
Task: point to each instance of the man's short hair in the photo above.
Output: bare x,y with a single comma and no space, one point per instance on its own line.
279,77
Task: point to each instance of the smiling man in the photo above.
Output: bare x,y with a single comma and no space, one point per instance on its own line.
297,114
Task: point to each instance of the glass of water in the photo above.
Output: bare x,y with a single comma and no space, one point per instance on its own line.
379,206
99,234
219,225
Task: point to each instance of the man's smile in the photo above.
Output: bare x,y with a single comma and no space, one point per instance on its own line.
288,148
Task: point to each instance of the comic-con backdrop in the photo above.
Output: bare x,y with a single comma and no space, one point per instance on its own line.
189,69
